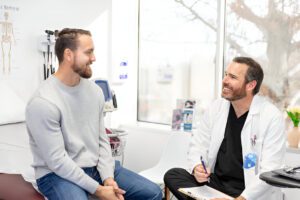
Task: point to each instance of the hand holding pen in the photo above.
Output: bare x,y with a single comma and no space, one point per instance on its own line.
202,172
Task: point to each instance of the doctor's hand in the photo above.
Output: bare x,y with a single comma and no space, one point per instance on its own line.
238,198
200,175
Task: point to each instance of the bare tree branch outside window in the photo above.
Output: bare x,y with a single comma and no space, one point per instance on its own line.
267,30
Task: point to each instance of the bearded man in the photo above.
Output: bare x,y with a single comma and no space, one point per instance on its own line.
71,151
240,136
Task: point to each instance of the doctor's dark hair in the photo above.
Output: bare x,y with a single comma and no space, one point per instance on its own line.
254,71
68,39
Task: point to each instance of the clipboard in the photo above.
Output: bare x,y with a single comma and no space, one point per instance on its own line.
203,193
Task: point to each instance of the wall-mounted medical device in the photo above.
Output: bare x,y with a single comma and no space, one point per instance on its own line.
109,95
47,43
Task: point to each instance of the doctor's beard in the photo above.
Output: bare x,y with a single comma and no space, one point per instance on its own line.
235,94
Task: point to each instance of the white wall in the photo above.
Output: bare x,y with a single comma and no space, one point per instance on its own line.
31,21
125,47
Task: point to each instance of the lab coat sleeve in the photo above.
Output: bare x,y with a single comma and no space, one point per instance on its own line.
272,155
200,141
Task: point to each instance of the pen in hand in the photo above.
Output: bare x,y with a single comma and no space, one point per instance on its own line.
204,167
203,164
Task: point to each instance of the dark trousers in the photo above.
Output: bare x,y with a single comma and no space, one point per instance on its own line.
179,178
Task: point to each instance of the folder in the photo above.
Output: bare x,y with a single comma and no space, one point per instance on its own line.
203,193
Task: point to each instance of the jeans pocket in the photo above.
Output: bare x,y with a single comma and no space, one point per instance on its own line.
45,183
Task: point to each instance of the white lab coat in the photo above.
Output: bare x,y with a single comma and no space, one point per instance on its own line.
264,121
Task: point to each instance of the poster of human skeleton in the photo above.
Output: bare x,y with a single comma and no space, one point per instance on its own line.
9,38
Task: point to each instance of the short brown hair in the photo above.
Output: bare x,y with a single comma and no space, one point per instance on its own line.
68,39
254,71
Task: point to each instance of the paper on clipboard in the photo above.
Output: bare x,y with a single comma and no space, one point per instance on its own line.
203,193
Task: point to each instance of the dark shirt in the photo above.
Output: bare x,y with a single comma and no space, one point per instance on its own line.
229,163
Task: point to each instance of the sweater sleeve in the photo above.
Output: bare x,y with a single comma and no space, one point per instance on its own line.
106,162
43,123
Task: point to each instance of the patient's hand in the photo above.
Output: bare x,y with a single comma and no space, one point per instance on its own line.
200,174
109,193
111,182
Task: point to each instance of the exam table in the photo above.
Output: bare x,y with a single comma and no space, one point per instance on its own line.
16,175
14,187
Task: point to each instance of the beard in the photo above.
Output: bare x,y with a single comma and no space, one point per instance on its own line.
83,71
235,94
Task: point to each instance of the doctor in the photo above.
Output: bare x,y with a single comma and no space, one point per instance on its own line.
239,137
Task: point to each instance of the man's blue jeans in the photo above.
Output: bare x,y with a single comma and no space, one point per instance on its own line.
136,186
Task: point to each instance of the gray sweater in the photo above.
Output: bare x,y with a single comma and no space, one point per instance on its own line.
66,131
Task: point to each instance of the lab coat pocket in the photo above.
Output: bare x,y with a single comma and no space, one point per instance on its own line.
249,166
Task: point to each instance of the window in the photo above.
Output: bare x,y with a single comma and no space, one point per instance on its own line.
177,55
268,31
178,43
